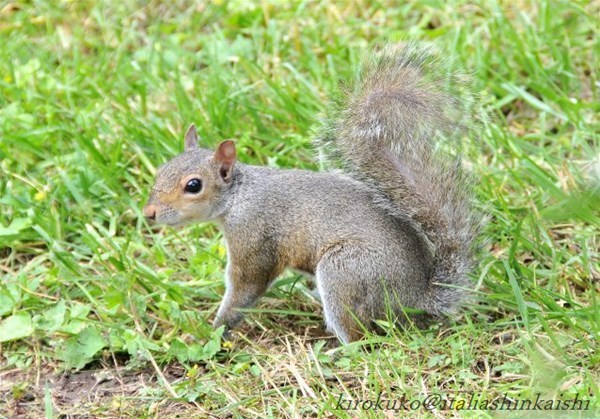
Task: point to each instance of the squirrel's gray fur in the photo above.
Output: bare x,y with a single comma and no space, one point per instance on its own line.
386,128
395,228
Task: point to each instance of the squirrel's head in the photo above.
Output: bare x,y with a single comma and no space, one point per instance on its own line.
193,185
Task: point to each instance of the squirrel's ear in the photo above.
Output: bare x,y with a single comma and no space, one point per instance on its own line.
191,138
225,156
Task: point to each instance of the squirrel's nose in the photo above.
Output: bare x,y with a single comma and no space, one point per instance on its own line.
150,212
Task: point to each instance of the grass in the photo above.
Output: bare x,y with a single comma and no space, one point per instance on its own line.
101,315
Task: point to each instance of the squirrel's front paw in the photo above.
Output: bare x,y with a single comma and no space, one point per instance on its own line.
230,319
227,336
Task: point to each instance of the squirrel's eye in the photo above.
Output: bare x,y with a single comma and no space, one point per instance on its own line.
193,186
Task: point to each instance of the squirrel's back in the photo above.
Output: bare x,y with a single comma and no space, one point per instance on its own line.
306,214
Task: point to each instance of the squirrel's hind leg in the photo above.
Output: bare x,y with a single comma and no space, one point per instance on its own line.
347,299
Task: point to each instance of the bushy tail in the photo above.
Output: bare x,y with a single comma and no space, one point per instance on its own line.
397,127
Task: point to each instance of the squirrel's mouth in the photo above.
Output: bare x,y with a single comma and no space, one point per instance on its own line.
172,221
159,224
163,215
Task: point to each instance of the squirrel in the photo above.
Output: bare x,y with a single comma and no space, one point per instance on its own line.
392,226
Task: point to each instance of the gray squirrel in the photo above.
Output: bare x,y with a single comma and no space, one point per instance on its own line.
394,224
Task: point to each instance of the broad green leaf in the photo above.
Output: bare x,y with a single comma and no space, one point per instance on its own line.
15,227
7,302
180,350
51,319
77,318
214,344
15,327
78,350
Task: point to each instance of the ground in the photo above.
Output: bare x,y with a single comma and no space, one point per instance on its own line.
102,315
